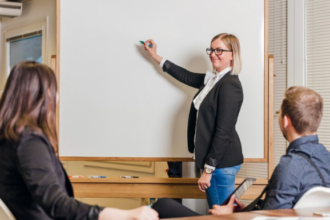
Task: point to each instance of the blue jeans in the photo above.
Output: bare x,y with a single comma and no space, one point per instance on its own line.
222,185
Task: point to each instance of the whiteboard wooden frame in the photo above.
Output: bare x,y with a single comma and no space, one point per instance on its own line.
268,135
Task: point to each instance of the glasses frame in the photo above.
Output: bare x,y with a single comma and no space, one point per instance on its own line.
215,51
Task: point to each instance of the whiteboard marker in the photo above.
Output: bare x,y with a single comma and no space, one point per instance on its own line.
149,44
96,176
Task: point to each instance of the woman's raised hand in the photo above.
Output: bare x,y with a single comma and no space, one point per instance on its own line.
152,50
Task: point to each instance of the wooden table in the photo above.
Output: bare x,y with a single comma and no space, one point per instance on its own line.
307,212
116,187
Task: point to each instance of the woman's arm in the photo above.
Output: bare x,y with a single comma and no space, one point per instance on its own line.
36,167
195,80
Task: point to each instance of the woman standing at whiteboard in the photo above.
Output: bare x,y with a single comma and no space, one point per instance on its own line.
212,135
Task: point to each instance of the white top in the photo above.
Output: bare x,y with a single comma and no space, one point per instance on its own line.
209,81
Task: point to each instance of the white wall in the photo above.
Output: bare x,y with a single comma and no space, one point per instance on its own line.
33,11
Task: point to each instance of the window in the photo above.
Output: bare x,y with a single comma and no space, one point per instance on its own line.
24,47
317,55
26,42
309,49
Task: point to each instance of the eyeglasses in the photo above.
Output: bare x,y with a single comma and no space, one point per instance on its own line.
217,51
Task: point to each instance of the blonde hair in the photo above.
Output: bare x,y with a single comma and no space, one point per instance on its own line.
232,42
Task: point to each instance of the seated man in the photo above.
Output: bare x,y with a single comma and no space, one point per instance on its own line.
306,163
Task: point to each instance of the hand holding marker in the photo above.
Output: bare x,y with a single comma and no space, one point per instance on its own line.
149,44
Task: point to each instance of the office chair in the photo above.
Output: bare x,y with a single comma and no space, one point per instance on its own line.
5,213
315,197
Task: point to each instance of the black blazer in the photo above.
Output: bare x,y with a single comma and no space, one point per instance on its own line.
33,183
217,142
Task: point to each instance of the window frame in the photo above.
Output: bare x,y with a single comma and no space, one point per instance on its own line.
39,25
296,43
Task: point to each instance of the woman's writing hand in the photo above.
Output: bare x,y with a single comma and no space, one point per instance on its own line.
204,181
153,50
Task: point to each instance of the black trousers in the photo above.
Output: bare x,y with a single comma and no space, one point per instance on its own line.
169,208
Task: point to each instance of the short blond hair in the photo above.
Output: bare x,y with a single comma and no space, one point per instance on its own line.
232,42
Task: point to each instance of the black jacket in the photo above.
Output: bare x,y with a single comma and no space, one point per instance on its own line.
217,142
33,183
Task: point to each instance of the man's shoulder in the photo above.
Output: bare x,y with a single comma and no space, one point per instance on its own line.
289,159
295,164
291,164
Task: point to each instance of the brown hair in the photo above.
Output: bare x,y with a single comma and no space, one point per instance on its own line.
29,100
232,42
304,107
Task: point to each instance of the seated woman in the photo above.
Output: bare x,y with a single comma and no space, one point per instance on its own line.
33,183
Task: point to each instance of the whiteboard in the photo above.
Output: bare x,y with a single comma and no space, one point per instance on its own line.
115,101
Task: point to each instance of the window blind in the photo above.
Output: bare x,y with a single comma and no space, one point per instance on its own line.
317,55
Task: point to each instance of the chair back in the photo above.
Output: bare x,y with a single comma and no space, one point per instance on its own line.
315,197
5,213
